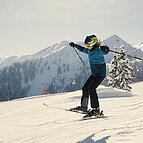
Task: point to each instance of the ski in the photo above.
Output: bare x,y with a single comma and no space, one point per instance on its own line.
54,107
76,120
91,118
60,108
101,115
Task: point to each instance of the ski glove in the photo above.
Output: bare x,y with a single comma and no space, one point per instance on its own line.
72,44
104,48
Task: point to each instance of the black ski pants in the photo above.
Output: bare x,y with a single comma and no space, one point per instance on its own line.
89,89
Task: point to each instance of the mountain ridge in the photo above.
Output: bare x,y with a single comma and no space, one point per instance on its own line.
51,70
111,41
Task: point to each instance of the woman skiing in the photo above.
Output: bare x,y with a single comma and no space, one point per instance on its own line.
98,72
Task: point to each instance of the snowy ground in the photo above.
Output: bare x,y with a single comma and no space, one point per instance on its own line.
27,120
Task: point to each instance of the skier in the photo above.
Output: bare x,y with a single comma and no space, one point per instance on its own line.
98,72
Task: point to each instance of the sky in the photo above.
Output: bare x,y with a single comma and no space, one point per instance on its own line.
28,26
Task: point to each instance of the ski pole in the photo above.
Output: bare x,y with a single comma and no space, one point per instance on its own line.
80,58
126,55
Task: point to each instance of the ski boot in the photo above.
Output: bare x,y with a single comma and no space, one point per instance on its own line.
93,113
80,109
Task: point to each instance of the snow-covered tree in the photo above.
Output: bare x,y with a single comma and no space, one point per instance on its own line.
113,70
121,73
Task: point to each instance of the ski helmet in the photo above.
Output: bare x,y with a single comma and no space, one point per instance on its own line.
91,40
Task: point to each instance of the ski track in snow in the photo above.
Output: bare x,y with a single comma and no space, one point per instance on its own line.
27,120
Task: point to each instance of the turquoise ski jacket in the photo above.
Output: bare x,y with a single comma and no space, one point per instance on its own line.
96,59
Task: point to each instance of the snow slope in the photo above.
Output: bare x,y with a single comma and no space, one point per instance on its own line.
27,120
139,46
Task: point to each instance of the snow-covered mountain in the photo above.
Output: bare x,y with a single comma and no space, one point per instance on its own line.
7,61
116,40
15,59
54,72
50,70
139,46
111,41
1,60
27,120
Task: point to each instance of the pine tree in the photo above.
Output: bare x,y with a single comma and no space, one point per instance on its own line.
113,70
121,73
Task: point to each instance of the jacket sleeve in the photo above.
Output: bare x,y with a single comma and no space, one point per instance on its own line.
82,49
104,49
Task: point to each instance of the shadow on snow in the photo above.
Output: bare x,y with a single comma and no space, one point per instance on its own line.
90,140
